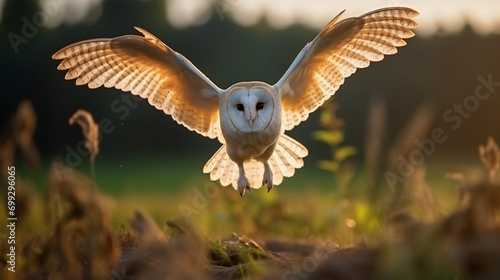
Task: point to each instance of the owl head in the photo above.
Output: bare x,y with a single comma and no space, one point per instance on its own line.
251,106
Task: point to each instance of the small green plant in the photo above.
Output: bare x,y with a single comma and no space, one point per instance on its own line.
332,134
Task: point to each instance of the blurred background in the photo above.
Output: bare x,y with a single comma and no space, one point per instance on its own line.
432,83
402,167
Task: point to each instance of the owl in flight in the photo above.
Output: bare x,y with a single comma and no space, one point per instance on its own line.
248,118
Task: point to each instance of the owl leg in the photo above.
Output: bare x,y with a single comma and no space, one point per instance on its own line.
242,181
268,176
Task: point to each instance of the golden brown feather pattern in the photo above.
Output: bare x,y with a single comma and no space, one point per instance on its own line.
335,54
146,67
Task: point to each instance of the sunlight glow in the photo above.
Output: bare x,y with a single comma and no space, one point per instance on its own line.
279,13
350,223
183,13
436,17
444,16
70,12
248,13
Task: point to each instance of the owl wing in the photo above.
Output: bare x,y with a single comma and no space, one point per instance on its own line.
147,67
335,54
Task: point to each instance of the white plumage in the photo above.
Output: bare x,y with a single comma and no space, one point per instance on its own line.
248,118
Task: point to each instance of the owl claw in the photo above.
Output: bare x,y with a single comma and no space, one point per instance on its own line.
269,185
242,185
268,178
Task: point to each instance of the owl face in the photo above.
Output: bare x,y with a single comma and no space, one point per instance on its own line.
250,108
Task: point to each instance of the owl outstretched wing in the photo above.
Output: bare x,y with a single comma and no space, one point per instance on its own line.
146,67
335,54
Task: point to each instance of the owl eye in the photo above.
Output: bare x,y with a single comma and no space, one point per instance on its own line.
240,107
259,106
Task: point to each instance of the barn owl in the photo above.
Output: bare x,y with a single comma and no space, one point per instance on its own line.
248,118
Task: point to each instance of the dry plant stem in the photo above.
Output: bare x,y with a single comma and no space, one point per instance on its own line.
92,166
416,128
376,131
18,134
90,131
490,156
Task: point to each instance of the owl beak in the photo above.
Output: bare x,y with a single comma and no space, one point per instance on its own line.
251,118
250,121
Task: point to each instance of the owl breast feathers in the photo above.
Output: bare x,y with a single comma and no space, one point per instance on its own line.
248,118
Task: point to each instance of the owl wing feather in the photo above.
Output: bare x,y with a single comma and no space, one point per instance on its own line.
343,46
147,67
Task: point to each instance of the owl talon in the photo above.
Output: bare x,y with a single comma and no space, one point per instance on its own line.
268,183
268,177
242,185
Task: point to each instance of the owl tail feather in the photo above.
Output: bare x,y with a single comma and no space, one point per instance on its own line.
286,158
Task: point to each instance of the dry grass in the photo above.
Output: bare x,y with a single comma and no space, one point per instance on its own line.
90,131
18,135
